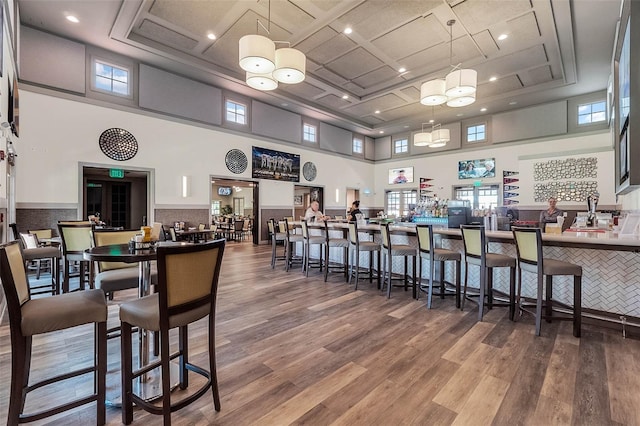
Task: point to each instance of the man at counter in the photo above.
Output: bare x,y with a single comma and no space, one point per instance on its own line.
313,214
551,214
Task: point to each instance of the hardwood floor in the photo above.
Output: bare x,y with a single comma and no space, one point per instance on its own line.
293,350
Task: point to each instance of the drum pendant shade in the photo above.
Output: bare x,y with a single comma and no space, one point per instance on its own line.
257,54
290,65
439,138
433,92
461,82
422,139
261,81
462,100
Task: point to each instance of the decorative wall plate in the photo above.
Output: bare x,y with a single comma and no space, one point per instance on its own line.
118,144
236,161
309,171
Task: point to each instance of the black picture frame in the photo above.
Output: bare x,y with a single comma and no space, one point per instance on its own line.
474,169
274,165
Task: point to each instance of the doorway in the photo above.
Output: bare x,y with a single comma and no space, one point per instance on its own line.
119,197
303,196
236,200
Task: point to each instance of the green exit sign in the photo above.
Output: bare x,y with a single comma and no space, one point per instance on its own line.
477,183
116,173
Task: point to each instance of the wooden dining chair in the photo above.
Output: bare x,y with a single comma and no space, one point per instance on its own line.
34,252
30,317
76,238
186,292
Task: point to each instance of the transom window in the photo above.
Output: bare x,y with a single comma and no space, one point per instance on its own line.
111,78
481,197
236,112
476,133
309,133
594,112
400,203
401,146
357,146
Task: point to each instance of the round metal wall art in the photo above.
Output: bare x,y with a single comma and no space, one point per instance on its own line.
309,171
236,161
118,144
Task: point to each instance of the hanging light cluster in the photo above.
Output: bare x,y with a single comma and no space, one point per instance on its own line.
267,66
457,89
437,138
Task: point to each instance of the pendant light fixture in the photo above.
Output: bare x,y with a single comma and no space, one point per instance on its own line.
437,138
457,89
265,65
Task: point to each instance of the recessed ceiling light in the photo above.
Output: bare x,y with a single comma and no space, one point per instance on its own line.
348,30
431,121
284,104
459,114
502,37
377,111
403,69
406,127
494,78
381,131
483,109
512,103
72,18
345,96
211,36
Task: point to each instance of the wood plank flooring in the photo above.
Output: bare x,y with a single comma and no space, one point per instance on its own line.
296,350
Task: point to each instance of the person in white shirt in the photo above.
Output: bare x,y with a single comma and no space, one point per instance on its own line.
313,214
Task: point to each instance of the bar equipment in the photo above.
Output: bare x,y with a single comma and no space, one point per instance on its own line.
592,204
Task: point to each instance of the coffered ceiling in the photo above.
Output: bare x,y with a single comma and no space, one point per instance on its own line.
555,49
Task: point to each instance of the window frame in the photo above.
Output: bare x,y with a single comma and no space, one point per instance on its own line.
114,65
354,141
404,145
591,113
478,192
397,201
228,101
306,126
475,126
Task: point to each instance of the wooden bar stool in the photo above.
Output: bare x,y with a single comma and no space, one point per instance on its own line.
475,253
290,244
427,250
530,259
356,246
309,240
342,243
275,237
389,251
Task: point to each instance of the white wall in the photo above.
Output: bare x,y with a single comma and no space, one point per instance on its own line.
57,134
443,168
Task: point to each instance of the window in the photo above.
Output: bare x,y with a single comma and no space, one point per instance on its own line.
480,197
400,203
215,208
309,133
238,206
594,112
401,146
111,78
236,113
476,133
357,146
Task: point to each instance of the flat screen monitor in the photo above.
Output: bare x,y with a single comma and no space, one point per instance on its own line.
401,175
224,190
473,169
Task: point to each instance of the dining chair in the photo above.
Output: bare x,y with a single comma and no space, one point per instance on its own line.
531,259
476,253
116,276
34,252
355,247
157,231
186,292
30,317
291,242
275,236
76,238
391,250
172,234
427,250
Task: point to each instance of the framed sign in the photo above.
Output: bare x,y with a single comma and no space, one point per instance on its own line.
400,175
275,165
474,169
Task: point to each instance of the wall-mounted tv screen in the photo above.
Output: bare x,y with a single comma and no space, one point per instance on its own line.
224,190
472,169
401,175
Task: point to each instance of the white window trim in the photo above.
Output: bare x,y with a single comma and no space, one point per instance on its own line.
304,133
405,145
590,123
361,144
246,113
477,140
127,68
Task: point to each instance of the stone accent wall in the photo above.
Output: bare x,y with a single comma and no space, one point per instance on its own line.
190,217
28,219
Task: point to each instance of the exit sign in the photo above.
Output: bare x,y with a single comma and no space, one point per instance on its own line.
477,183
116,173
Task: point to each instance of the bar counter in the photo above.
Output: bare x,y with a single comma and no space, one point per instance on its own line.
610,264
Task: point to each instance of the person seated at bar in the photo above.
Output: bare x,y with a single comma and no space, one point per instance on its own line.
354,210
551,214
313,214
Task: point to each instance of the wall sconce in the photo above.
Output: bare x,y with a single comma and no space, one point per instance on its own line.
337,195
186,186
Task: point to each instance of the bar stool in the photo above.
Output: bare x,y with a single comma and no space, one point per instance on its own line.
335,242
530,259
389,251
276,236
32,251
76,238
475,253
308,241
290,244
356,246
427,250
